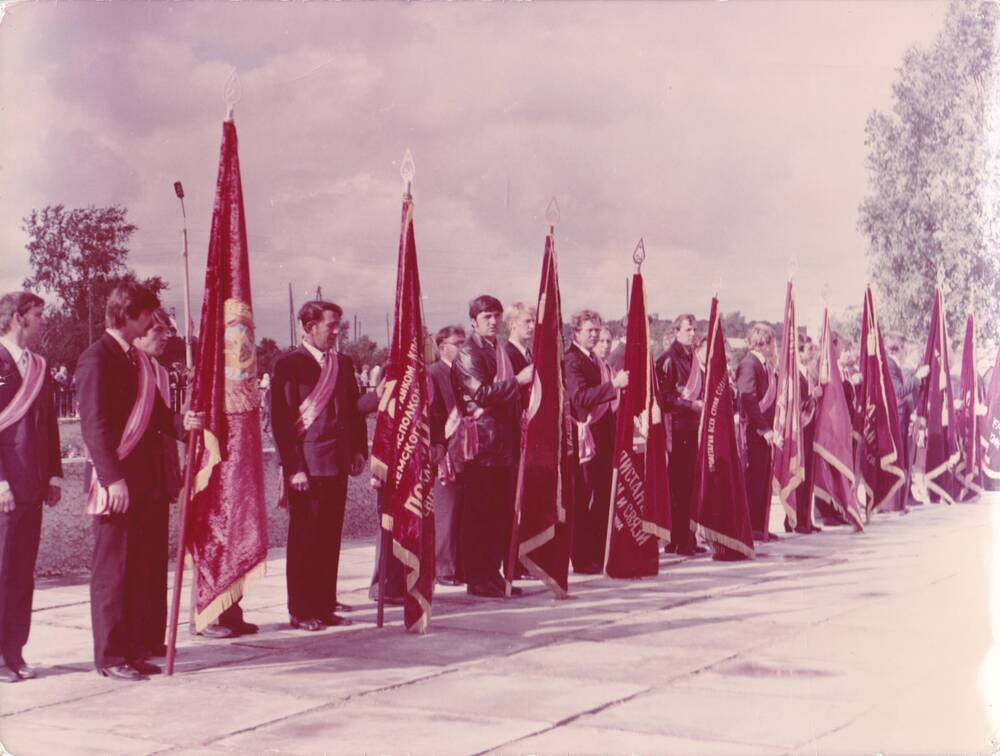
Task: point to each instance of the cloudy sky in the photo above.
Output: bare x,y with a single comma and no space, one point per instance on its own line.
729,135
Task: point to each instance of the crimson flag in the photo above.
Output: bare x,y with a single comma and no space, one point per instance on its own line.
721,513
401,456
640,503
787,466
969,409
990,425
833,451
934,424
548,454
881,444
228,531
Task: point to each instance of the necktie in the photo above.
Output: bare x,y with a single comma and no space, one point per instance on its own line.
527,354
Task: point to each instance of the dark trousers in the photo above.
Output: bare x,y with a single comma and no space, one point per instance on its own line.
447,516
804,493
681,471
154,632
20,531
315,526
120,583
593,506
487,514
395,580
758,480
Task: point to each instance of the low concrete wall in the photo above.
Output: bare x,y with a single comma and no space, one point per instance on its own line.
67,542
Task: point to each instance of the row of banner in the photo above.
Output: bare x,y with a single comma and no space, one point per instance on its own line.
958,442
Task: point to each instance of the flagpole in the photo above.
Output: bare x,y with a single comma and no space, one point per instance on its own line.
179,191
291,317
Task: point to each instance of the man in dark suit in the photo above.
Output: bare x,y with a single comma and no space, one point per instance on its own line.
754,377
321,439
30,470
166,487
520,318
448,482
590,400
122,502
673,369
488,480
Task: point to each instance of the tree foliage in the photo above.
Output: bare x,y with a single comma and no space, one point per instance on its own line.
363,351
79,255
934,206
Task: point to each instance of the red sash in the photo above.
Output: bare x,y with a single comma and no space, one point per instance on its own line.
692,389
135,427
27,392
505,369
588,448
309,410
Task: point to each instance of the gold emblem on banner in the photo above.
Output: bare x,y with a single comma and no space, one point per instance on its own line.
242,394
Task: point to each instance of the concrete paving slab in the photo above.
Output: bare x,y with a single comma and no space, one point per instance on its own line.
52,686
356,728
194,712
26,739
778,722
584,741
545,698
672,628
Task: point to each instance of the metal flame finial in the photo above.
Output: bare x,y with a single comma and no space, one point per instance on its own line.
639,254
552,212
408,169
232,92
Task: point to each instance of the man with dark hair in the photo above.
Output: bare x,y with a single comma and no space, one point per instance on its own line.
321,439
673,371
756,383
486,390
166,485
30,470
590,400
121,417
448,483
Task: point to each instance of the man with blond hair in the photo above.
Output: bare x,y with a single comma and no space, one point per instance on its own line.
756,383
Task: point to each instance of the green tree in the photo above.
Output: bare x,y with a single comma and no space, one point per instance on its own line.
79,255
934,208
267,352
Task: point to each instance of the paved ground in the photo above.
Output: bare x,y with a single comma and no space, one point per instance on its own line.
824,644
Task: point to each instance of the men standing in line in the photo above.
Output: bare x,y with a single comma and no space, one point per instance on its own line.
757,387
30,470
673,370
121,417
486,390
590,398
520,319
321,439
448,483
166,485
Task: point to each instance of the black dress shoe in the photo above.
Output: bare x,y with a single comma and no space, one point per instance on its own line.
332,620
772,536
121,672
670,548
449,580
216,631
485,590
243,628
26,672
700,549
144,667
309,623
339,607
815,529
9,676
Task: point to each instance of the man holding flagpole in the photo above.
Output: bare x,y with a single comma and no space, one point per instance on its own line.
486,390
121,415
757,386
30,470
590,396
321,439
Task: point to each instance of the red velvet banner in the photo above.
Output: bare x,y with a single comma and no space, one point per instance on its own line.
877,420
548,456
833,452
934,424
640,504
787,468
401,446
990,426
228,531
721,514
